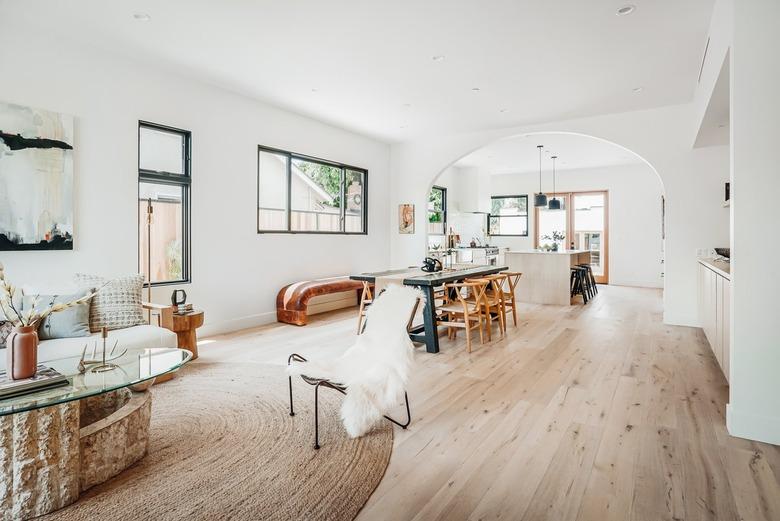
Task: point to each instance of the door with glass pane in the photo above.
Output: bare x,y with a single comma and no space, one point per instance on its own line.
552,226
589,230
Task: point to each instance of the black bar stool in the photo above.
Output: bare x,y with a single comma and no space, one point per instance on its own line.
579,283
591,279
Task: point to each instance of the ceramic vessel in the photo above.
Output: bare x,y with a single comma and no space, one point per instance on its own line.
22,352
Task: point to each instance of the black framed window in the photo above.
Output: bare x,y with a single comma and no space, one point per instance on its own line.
508,215
164,180
437,211
303,194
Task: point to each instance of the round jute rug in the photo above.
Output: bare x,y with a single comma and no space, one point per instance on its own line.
223,446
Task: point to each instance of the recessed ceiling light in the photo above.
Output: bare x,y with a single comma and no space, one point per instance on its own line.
407,105
438,58
503,110
637,90
475,89
142,17
315,90
626,10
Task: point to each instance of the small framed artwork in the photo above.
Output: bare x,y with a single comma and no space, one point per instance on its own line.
405,218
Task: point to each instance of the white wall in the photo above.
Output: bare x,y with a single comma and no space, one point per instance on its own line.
692,179
635,244
236,272
754,408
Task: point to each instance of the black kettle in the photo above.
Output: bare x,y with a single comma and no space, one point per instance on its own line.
431,265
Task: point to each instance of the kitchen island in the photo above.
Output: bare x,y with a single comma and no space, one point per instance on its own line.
546,274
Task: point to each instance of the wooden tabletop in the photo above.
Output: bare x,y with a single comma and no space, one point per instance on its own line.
432,279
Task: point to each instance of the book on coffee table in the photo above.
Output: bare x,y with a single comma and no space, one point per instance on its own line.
44,378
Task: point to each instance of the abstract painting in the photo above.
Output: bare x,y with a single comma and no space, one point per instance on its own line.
36,179
405,218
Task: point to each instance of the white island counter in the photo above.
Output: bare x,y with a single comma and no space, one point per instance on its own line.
546,274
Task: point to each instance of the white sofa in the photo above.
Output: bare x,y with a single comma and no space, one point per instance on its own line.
135,337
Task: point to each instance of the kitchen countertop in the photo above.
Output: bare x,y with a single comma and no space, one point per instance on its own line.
720,267
561,252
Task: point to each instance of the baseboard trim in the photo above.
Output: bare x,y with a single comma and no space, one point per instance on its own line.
636,284
236,324
752,426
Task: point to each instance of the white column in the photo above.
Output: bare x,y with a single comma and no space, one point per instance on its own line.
754,408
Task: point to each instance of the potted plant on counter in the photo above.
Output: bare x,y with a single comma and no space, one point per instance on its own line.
556,237
22,343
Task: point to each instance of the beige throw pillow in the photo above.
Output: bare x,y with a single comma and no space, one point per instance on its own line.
117,304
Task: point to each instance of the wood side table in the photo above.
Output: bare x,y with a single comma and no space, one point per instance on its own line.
185,327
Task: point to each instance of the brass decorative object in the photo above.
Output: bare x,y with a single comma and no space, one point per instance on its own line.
102,364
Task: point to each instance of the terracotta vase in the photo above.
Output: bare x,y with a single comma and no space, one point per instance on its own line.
22,353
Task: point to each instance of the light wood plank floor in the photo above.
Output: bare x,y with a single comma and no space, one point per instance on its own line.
596,412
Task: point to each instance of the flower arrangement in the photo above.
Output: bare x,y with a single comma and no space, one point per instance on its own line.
33,316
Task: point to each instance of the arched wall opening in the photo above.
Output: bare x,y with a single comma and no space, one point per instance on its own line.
586,163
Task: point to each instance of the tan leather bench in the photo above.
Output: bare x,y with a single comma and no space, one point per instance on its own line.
292,302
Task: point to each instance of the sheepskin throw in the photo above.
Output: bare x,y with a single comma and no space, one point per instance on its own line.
117,304
376,368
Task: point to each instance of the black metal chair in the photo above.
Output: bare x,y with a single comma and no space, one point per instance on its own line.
322,382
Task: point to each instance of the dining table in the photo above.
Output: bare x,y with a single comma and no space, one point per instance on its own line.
428,332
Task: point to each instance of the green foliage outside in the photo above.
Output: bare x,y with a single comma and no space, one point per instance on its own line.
508,206
326,176
436,200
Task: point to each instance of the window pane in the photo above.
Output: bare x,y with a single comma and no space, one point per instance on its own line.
353,217
588,228
161,151
552,226
271,191
436,199
436,211
166,240
508,225
316,197
509,206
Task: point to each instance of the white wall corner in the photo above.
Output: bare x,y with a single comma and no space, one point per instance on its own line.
753,426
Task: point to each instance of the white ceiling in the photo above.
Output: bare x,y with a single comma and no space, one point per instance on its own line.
519,155
371,61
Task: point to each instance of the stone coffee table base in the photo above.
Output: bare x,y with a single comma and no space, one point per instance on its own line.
49,456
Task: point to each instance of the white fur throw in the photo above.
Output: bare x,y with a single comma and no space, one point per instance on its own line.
376,368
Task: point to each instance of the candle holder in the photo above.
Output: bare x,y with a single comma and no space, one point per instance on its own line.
103,364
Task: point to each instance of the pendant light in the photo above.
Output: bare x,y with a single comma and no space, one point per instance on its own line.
540,199
555,203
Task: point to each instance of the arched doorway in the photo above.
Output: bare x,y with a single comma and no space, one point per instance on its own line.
596,180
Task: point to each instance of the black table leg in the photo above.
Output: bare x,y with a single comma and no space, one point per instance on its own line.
429,320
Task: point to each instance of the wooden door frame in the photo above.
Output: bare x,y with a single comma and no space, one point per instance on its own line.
568,198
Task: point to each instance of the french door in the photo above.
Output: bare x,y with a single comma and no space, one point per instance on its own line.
582,223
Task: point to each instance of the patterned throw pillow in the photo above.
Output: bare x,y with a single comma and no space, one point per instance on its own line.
116,305
5,330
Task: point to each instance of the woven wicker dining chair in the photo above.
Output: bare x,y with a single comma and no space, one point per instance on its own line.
492,303
461,309
509,291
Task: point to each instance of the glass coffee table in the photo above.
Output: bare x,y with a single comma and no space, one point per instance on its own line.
61,441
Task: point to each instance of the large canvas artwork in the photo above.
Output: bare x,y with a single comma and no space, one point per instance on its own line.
36,179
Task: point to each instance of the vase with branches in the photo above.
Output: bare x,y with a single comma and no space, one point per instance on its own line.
22,343
556,238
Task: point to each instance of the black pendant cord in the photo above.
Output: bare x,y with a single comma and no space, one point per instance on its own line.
540,167
554,158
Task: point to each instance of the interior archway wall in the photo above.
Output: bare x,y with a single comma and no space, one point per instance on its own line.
663,137
635,190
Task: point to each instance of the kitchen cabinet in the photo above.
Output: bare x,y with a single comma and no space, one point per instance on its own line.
714,293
